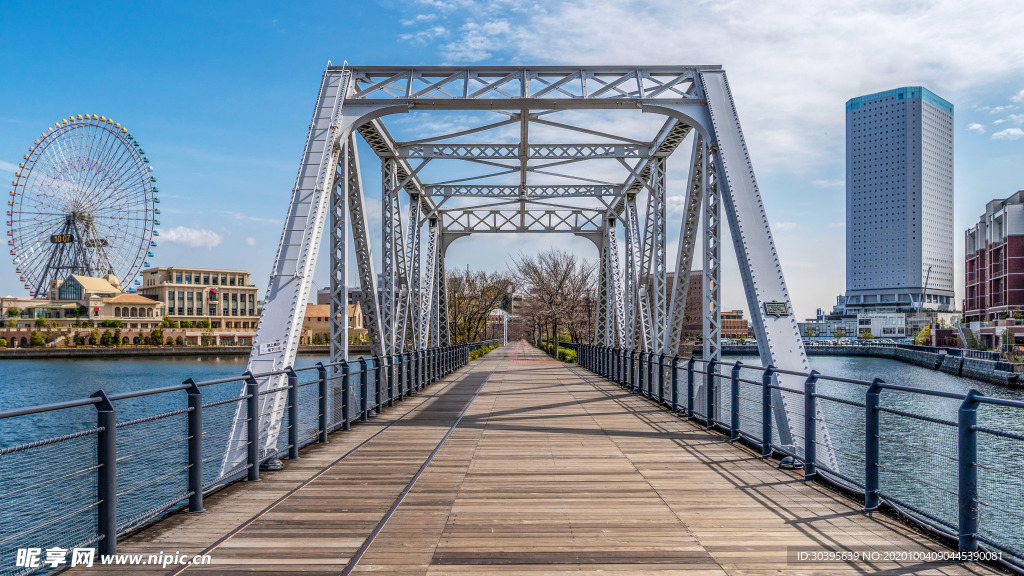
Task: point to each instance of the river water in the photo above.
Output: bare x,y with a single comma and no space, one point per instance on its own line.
918,464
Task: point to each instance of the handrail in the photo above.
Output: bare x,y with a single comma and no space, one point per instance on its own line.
632,369
311,414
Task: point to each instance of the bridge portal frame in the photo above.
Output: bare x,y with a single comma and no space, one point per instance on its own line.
409,311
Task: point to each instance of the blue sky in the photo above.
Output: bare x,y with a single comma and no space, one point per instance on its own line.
220,95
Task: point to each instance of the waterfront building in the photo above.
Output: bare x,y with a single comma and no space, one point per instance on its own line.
829,326
994,262
224,298
899,202
316,325
882,325
78,299
734,325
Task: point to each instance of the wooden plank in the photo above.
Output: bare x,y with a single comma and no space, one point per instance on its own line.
552,470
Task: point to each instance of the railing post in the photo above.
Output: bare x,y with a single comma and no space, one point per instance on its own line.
407,372
634,374
967,492
766,412
709,396
649,391
346,396
810,425
322,401
293,414
364,382
106,475
734,402
376,384
388,367
689,385
252,412
661,379
396,360
675,383
421,356
195,446
872,439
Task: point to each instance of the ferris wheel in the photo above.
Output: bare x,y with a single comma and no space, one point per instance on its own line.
83,202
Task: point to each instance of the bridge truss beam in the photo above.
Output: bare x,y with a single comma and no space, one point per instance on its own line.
529,187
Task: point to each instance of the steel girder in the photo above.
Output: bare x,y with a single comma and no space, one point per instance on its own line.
687,241
364,253
528,192
280,327
339,252
514,151
636,311
712,266
549,87
427,310
652,264
413,264
489,221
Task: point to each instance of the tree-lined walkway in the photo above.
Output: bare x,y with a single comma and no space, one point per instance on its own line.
520,464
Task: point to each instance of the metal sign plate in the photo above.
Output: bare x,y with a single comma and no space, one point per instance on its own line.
271,348
776,309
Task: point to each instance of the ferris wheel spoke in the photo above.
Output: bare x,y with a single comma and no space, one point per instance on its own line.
88,178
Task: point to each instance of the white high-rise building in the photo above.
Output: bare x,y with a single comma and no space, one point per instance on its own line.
899,202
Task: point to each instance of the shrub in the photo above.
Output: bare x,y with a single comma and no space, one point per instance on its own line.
42,323
156,337
567,355
106,339
179,340
185,323
94,337
116,340
36,339
474,354
203,324
3,343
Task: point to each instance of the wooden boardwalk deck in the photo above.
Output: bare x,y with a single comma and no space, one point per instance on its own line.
551,470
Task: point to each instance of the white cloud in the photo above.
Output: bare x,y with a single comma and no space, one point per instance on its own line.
975,127
8,167
1008,134
425,36
1015,119
792,64
250,241
1019,97
419,18
192,237
477,41
784,226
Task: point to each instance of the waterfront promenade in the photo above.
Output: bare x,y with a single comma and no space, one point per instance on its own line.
520,464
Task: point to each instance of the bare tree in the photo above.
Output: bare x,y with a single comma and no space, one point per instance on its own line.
558,287
472,296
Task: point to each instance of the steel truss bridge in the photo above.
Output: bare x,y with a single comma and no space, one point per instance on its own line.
529,185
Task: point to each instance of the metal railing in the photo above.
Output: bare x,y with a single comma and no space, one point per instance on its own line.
76,479
953,463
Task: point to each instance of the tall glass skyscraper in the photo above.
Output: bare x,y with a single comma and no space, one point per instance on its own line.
899,201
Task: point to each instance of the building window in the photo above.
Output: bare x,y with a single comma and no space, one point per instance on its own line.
213,310
206,279
188,278
177,278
